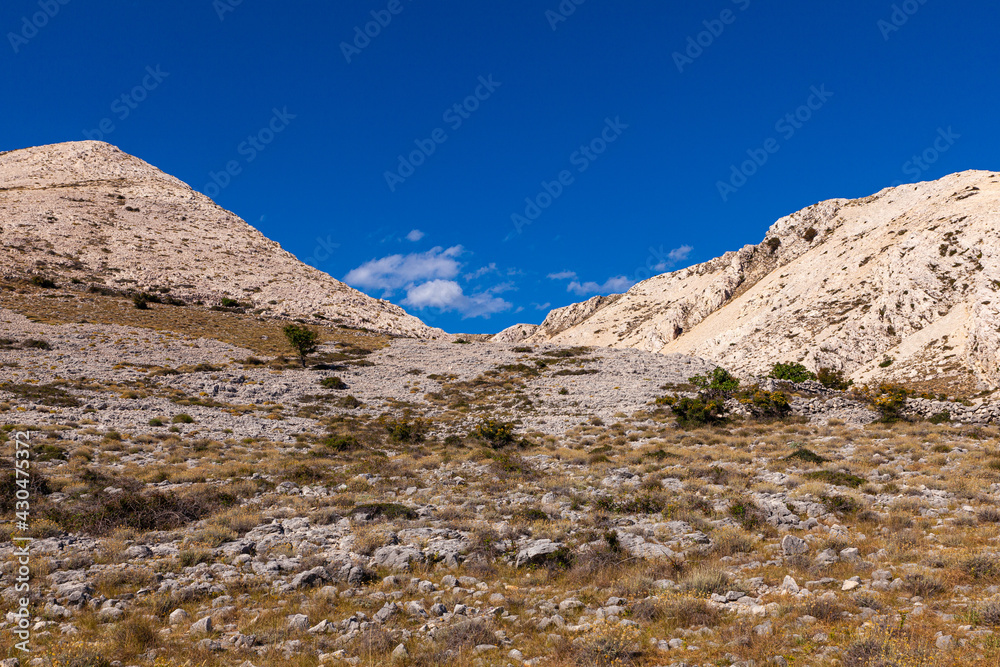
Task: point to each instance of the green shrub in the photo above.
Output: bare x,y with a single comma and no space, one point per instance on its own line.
43,282
792,372
333,383
766,404
806,455
140,301
404,430
888,361
837,478
182,418
341,443
833,379
156,421
888,400
349,402
720,384
496,433
940,417
36,344
695,412
748,514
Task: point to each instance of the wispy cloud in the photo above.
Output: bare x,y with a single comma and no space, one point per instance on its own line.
398,271
563,275
415,235
614,285
480,272
674,257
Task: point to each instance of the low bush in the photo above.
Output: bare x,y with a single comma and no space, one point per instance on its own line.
497,433
697,412
764,404
833,379
333,383
791,372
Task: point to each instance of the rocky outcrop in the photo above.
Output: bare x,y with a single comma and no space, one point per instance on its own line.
88,212
902,286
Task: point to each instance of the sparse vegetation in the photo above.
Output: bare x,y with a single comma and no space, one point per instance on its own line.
791,372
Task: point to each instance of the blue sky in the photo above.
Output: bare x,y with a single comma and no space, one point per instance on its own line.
480,163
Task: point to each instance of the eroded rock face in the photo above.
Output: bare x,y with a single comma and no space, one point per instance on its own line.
112,216
909,274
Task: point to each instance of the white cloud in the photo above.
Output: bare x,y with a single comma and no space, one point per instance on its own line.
613,285
563,275
542,306
482,271
415,235
447,295
398,271
675,256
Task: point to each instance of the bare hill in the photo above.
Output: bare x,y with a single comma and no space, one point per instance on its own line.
903,285
85,211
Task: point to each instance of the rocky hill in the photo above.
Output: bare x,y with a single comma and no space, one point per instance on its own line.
86,213
903,285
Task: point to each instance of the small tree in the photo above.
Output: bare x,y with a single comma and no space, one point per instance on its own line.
303,340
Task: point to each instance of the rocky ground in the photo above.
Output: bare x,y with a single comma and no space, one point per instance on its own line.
197,501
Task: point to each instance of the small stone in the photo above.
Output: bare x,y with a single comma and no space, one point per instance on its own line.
792,545
400,653
850,585
789,585
298,622
944,642
202,626
178,616
515,654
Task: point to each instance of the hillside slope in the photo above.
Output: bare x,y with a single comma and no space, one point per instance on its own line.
88,212
910,274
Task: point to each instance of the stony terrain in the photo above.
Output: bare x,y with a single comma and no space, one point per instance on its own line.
85,213
902,286
199,495
204,500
